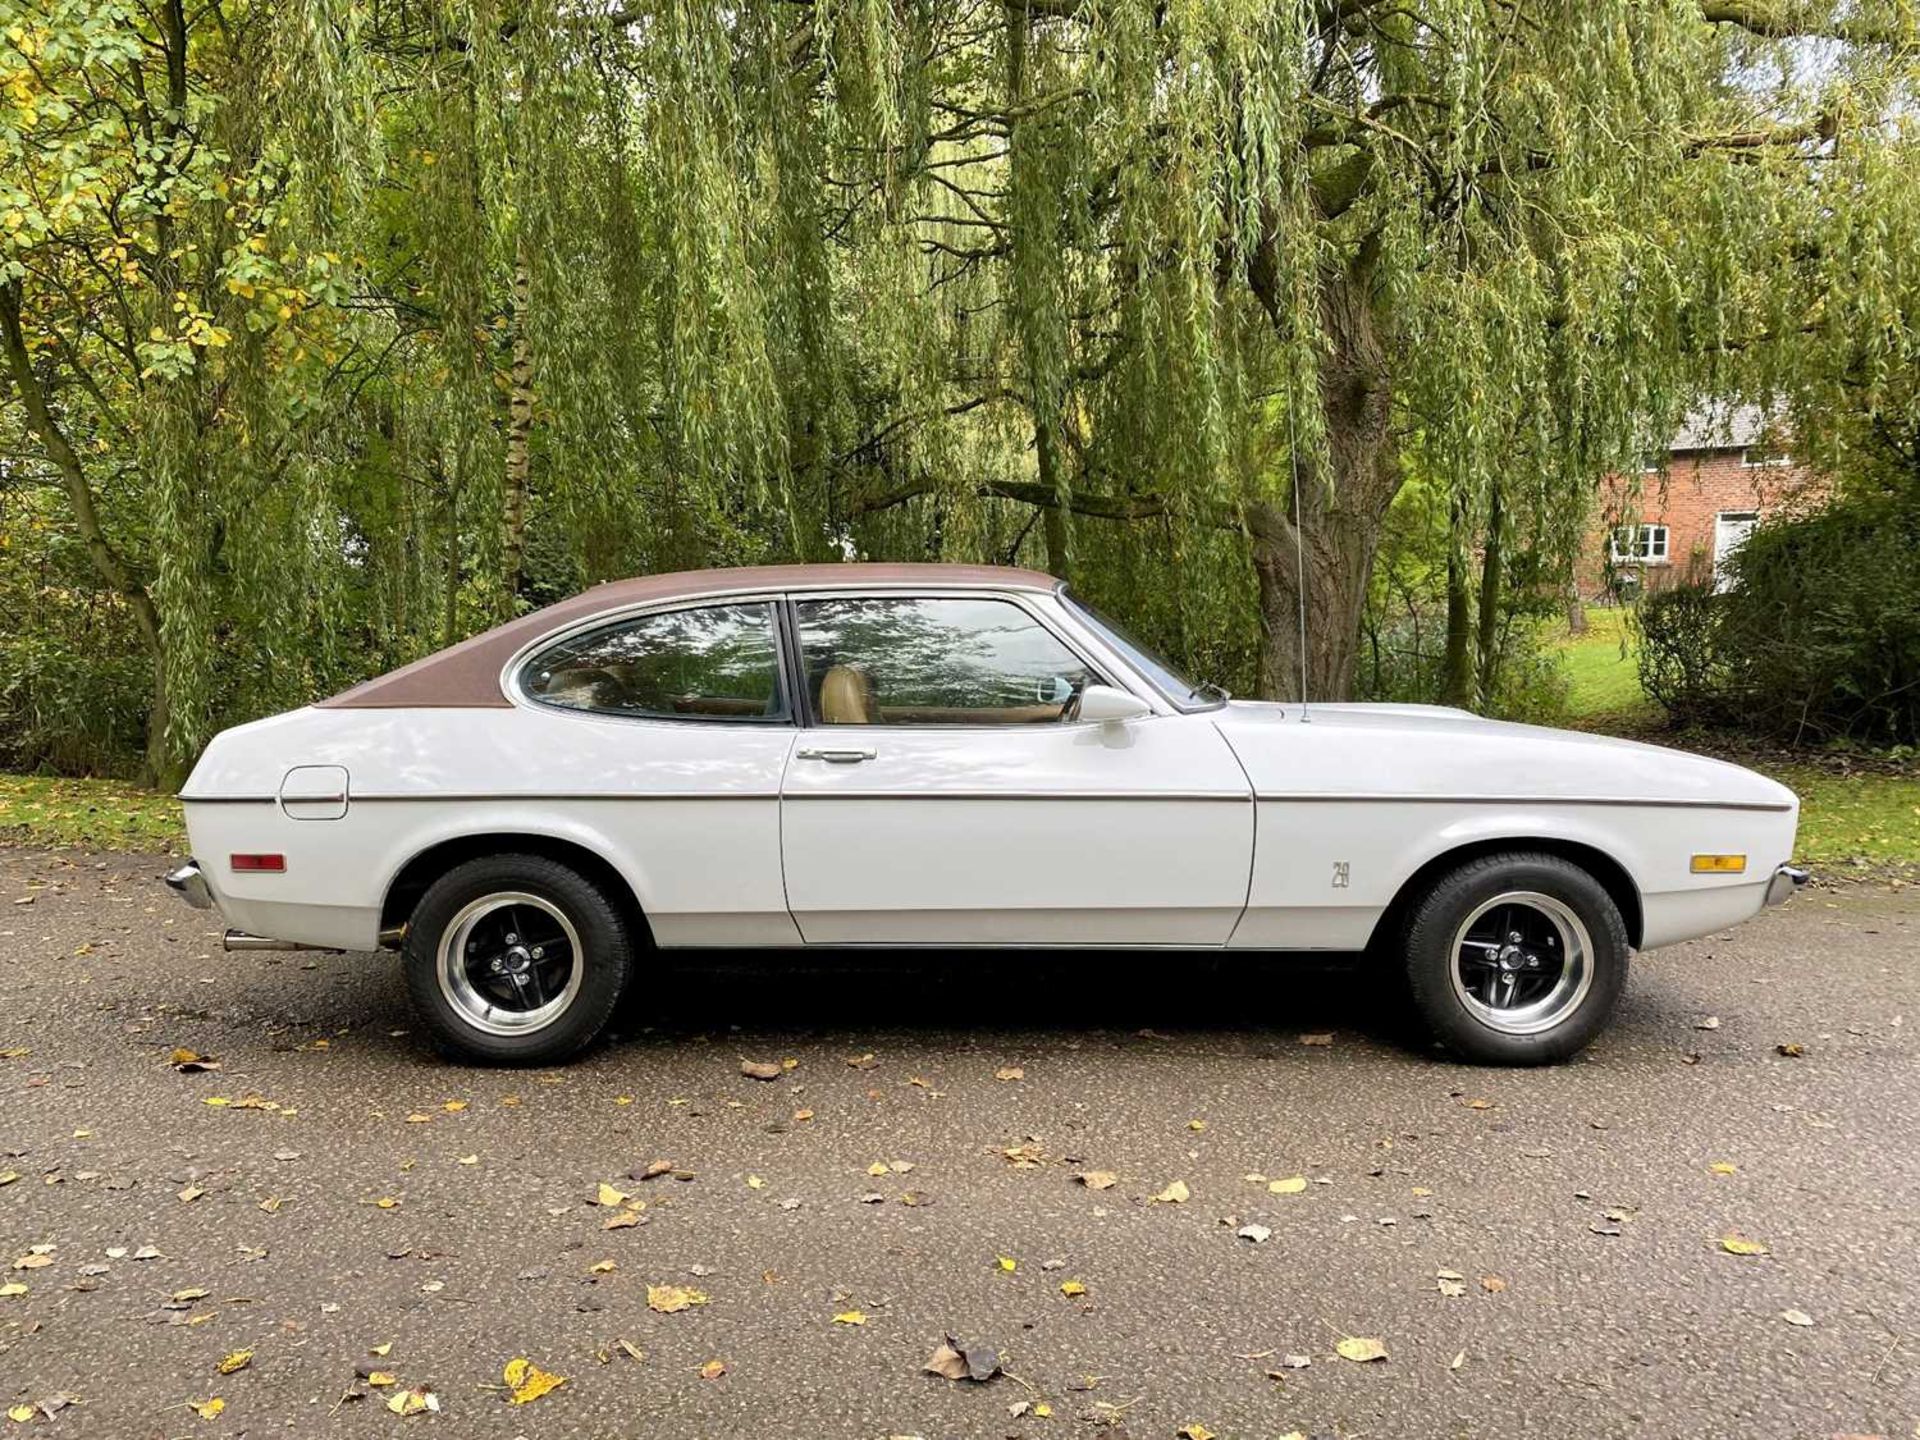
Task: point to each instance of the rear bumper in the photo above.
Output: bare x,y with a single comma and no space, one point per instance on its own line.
1786,882
190,885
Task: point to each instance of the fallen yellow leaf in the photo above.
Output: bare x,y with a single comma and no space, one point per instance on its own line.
1195,1431
1174,1194
1724,1167
608,1195
1008,1263
1072,1288
380,1379
207,1409
672,1299
850,1317
528,1381
1292,1185
414,1402
1737,1244
20,1414
238,1360
602,1267
713,1369
1360,1350
11,1289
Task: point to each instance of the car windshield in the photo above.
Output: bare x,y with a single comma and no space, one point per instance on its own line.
1178,688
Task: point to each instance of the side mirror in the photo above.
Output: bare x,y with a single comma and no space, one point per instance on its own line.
1106,704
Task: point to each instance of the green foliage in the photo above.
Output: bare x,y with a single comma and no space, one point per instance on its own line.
1676,633
845,278
1816,641
1821,637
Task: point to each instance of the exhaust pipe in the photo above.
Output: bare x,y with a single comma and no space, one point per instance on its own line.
241,940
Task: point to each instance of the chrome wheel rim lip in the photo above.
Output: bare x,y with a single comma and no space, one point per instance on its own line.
473,1006
1570,986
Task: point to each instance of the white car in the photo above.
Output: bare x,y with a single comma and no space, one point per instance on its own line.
937,756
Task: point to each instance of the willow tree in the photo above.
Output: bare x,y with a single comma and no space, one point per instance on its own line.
1251,259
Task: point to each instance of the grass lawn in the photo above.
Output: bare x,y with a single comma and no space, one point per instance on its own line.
1603,681
1854,821
88,815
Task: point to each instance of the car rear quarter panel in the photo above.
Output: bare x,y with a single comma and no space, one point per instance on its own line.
688,814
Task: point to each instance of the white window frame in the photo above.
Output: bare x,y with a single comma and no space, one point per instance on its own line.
1772,459
1650,543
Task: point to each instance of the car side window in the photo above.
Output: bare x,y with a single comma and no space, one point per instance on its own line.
934,661
711,662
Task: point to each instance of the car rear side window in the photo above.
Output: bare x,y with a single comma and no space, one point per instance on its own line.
934,661
710,662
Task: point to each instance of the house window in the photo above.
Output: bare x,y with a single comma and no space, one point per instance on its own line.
1640,545
1756,457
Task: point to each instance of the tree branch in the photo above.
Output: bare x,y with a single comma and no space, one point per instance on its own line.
1783,22
107,561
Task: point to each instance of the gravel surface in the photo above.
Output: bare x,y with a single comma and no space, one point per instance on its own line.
354,1192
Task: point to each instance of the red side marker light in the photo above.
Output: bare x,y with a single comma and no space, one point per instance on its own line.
274,864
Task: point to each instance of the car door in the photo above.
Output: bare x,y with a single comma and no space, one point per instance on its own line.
940,793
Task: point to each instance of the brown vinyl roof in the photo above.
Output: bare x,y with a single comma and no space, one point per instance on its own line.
467,675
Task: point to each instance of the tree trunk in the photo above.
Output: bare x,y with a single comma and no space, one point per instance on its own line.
1054,518
1576,609
513,499
1456,676
1341,508
106,560
1492,561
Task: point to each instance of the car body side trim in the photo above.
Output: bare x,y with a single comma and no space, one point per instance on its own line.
1309,798
1239,797
1664,802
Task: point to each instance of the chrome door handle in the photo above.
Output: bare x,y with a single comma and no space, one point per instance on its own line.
837,754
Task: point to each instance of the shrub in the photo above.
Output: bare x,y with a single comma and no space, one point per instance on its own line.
1817,638
1821,635
1677,630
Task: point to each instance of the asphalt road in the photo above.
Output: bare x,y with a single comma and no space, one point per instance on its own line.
375,1196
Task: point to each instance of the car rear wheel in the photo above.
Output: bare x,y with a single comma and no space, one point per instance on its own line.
1516,959
516,959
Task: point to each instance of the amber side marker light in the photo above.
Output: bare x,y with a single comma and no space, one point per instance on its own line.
1719,864
271,864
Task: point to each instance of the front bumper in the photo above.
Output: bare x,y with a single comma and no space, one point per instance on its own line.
190,885
1786,882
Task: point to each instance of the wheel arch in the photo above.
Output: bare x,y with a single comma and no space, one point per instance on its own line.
414,878
1611,875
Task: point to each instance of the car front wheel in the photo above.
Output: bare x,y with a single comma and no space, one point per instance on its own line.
516,959
1516,959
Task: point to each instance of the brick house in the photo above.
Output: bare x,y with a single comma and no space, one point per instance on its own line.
1689,510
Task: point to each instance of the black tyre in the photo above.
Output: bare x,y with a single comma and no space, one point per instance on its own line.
516,960
1516,959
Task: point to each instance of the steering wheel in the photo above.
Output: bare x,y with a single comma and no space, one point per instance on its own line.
1070,707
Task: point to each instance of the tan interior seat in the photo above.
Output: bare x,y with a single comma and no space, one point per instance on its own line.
847,698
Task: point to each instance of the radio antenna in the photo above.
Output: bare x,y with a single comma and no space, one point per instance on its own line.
1299,539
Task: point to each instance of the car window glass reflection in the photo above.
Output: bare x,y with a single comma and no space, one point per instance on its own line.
935,662
716,662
